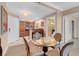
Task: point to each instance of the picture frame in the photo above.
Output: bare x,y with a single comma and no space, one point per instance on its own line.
0,20
4,20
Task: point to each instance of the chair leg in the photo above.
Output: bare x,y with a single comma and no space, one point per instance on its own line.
53,47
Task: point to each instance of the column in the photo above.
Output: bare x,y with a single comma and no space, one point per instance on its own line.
59,22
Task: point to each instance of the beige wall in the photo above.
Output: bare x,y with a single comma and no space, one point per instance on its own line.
13,25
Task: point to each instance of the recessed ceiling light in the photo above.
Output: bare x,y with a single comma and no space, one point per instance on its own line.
25,13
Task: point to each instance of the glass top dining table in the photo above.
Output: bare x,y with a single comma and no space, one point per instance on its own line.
45,42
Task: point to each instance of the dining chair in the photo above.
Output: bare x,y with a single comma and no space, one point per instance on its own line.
58,37
37,35
27,47
0,48
66,49
33,48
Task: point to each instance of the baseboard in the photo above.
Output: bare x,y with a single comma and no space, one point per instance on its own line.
4,52
17,42
9,45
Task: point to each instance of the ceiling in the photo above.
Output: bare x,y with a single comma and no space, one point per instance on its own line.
63,5
38,10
